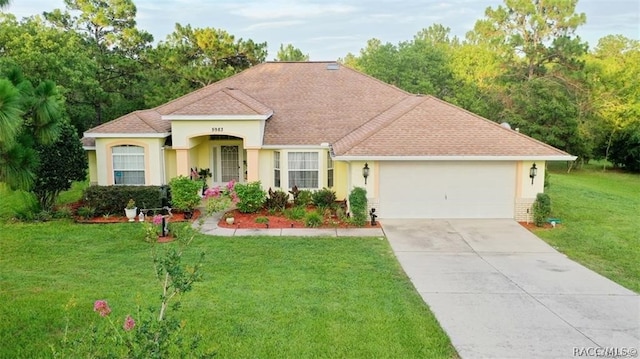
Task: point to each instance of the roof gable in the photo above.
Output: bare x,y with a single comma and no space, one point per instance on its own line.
138,122
228,101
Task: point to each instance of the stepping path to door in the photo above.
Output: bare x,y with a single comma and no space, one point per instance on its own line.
501,292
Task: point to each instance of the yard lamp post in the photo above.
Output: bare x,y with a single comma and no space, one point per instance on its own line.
365,172
533,172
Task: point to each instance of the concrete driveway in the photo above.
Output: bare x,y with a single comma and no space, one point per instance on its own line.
501,292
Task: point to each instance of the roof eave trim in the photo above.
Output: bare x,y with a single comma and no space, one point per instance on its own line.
217,117
295,147
89,148
457,158
126,135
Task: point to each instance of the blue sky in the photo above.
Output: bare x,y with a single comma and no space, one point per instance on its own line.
327,30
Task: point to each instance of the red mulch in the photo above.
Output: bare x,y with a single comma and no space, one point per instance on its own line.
248,220
531,226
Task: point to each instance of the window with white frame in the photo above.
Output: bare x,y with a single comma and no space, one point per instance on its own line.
329,170
128,165
303,169
276,169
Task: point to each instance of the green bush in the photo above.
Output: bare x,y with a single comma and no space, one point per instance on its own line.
303,198
324,198
541,209
63,212
277,200
295,213
313,219
251,197
358,205
86,212
185,193
25,206
113,199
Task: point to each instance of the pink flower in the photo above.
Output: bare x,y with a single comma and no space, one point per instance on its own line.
212,192
101,307
230,185
157,219
129,323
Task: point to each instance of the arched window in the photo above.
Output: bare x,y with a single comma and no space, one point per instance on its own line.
128,165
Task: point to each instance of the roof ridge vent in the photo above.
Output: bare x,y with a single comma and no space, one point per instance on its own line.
333,66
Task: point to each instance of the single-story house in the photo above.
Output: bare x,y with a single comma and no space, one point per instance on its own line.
321,124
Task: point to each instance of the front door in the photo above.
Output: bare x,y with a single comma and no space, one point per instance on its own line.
229,163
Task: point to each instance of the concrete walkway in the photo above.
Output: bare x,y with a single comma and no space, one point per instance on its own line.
210,226
501,292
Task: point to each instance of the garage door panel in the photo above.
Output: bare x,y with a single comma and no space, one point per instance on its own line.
447,189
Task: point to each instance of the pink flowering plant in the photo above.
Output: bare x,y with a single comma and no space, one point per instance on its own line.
220,198
153,333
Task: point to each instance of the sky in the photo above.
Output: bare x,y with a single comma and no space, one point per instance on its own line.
328,30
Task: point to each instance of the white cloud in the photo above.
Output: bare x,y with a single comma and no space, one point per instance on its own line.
274,25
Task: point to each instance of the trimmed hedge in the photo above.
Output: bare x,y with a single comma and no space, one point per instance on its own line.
113,199
358,204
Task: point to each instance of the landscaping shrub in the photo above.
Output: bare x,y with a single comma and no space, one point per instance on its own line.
86,212
277,200
295,213
63,212
313,219
302,198
324,198
251,197
113,199
26,208
185,193
358,205
541,209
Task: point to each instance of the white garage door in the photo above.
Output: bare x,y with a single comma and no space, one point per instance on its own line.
424,189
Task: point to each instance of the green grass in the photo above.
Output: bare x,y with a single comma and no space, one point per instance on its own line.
600,213
261,297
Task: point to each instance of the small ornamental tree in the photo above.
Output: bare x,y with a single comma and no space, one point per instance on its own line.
61,163
541,209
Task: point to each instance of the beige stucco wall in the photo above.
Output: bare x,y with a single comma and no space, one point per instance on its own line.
341,179
525,191
152,153
93,167
170,168
185,134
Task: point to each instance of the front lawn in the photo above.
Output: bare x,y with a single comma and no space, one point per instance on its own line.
600,213
261,297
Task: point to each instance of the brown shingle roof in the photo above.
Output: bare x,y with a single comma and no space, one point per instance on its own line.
312,103
437,128
138,122
227,101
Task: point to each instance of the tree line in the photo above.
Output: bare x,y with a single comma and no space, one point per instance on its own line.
522,64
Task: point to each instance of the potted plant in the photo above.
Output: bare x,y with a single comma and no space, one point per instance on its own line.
131,210
185,195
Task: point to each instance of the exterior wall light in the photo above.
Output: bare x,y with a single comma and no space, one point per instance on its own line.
365,172
533,172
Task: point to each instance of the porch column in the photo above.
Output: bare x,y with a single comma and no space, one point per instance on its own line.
182,162
253,172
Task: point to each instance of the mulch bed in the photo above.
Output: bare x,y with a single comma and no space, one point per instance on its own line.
278,220
531,226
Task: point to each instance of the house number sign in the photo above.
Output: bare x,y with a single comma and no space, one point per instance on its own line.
217,129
